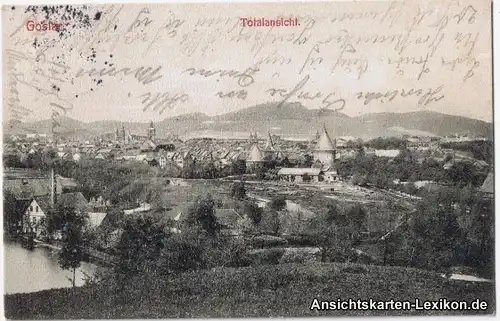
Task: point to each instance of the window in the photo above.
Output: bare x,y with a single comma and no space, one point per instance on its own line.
36,209
31,208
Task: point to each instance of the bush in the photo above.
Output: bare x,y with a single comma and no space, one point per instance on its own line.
195,249
238,190
277,203
266,256
299,240
263,241
253,211
184,252
354,269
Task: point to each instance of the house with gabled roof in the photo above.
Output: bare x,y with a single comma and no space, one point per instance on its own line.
488,187
76,200
35,215
301,175
25,188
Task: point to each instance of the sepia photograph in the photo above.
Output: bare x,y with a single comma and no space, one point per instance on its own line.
235,160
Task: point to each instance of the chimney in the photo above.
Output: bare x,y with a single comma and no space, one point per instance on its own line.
52,187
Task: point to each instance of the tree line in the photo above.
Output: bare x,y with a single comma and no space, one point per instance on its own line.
381,171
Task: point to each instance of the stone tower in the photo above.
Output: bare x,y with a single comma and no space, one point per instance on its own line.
325,149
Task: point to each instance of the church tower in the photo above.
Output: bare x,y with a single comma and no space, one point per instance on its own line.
151,132
325,149
270,149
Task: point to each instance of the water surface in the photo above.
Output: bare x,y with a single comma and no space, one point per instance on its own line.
37,270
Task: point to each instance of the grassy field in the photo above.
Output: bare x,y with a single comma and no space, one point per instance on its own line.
179,198
380,217
285,290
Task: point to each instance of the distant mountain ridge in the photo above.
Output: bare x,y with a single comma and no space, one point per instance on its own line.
290,119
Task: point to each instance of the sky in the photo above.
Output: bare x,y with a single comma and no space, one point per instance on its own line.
143,63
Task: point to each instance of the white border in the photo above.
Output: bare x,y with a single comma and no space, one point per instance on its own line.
496,78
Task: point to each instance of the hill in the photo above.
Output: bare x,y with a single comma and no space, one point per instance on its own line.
285,290
428,121
289,120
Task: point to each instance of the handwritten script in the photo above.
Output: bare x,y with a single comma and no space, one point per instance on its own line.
159,59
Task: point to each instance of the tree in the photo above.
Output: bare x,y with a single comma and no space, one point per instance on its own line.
202,213
277,203
285,162
238,167
271,221
306,161
238,190
433,238
331,232
11,214
185,251
34,161
359,179
253,211
10,160
140,245
260,171
357,216
410,188
209,171
335,216
74,243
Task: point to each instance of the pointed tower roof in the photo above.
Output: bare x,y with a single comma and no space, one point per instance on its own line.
255,154
324,142
151,125
269,143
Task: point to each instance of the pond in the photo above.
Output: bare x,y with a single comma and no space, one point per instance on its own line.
37,270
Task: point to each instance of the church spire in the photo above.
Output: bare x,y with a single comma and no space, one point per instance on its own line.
151,132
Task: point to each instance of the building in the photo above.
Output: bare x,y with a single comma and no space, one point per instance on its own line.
331,176
75,200
162,161
35,216
389,153
25,188
325,151
148,145
487,189
269,149
301,175
255,155
95,218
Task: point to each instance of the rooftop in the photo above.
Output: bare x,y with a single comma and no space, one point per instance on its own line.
300,171
488,185
324,142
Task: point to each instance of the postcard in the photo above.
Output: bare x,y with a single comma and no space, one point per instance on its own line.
229,160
